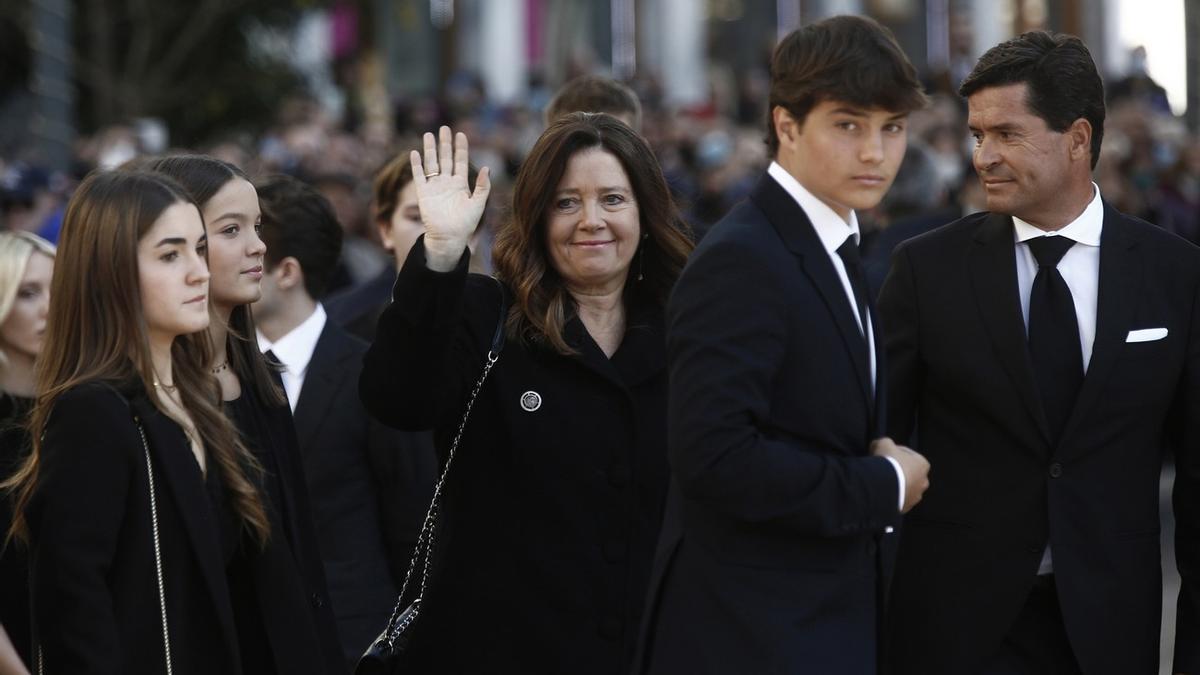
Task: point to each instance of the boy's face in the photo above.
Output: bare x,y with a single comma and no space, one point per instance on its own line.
845,155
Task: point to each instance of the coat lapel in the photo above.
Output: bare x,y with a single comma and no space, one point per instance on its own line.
321,383
993,270
178,475
797,232
1120,284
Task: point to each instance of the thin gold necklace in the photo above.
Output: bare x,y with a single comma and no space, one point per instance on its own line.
220,369
169,388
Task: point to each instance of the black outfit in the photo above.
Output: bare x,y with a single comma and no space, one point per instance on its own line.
555,497
370,487
14,561
357,308
291,584
963,377
768,561
94,590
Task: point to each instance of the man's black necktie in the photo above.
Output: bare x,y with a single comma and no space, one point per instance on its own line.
1054,334
848,252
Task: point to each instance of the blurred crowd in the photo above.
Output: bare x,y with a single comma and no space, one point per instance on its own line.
710,153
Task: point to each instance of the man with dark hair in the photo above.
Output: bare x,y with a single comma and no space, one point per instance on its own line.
782,485
595,94
369,485
1046,354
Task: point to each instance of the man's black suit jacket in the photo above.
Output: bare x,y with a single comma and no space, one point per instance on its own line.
369,487
960,372
768,562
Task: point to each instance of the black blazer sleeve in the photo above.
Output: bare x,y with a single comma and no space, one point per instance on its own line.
430,346
898,316
1186,498
84,482
725,356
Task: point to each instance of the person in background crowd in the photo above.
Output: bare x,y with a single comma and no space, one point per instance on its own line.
595,94
1044,355
369,485
295,631
554,501
137,495
914,205
361,258
26,265
398,219
783,483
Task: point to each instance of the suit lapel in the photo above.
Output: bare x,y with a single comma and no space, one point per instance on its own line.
993,270
1120,284
797,232
178,476
320,384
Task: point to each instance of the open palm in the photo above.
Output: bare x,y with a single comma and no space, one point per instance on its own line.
450,211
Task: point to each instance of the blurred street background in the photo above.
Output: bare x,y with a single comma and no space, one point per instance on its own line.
329,90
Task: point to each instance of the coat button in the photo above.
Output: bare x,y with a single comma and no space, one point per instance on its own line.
1056,470
610,628
618,476
614,550
318,601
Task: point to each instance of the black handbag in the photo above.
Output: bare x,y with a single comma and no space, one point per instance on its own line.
385,653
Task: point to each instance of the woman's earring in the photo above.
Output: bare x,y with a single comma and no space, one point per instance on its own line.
642,256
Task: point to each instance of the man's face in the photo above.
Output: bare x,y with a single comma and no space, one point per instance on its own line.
845,155
1022,163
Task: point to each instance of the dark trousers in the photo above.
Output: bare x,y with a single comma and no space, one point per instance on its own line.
1037,643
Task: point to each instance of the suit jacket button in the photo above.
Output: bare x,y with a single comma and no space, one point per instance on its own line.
318,601
1056,470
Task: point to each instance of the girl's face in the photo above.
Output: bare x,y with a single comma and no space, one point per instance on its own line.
21,333
235,251
172,274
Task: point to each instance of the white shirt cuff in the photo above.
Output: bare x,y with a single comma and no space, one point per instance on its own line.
900,477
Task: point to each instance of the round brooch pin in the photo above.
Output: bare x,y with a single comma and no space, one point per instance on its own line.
531,401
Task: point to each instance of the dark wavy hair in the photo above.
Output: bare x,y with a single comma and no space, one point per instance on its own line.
1060,76
542,305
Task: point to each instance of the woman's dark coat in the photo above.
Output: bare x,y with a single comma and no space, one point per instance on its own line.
555,497
93,582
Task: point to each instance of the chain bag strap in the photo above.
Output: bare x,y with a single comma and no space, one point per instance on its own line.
380,657
158,568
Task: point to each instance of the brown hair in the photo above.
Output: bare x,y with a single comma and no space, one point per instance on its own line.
203,176
96,332
595,94
542,303
851,59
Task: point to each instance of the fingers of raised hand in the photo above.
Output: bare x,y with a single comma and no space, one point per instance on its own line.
445,154
460,153
431,156
483,184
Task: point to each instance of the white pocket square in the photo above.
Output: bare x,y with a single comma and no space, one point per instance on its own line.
1146,335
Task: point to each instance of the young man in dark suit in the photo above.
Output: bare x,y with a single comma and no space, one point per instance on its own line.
1047,354
782,485
369,485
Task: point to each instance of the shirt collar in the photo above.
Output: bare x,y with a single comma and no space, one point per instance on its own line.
1083,230
830,227
295,349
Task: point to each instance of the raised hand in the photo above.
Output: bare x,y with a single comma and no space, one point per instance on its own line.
449,210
